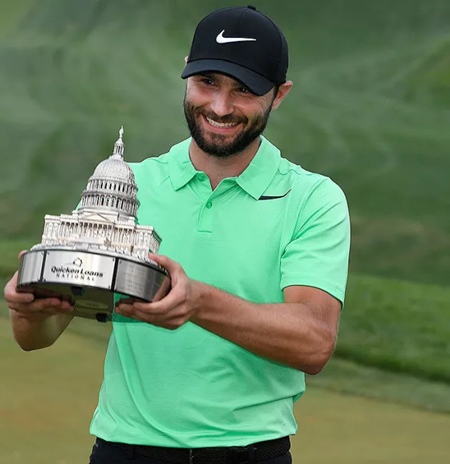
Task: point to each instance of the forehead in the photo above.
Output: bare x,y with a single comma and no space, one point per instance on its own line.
224,79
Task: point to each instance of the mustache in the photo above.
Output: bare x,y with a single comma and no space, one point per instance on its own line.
227,119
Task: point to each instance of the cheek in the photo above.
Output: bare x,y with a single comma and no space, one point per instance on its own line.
258,115
256,110
196,97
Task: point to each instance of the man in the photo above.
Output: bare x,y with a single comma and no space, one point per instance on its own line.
257,250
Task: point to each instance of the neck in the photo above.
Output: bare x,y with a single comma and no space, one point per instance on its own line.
218,168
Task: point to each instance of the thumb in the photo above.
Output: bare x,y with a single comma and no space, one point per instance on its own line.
21,253
165,262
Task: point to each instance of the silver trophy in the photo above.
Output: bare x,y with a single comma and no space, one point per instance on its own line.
99,249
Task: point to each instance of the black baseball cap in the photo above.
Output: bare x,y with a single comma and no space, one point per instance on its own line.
242,43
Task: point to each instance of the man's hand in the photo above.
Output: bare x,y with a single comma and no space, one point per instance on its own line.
175,309
36,322
25,305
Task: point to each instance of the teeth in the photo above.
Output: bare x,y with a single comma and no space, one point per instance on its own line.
221,124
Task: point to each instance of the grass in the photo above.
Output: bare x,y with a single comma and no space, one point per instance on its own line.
369,108
398,326
389,347
351,430
49,397
350,378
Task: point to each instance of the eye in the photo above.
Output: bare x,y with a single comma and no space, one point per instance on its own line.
244,90
206,80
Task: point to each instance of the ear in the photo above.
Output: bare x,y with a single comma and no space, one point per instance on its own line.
186,58
283,90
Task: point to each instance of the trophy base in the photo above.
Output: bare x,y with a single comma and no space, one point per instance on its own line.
88,280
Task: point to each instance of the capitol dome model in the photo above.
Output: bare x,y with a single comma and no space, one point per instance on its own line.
106,218
98,253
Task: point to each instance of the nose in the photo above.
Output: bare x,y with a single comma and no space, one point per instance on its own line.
222,103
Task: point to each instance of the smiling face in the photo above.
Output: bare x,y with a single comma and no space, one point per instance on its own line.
224,117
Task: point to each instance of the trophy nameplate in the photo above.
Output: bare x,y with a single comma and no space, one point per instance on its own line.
99,250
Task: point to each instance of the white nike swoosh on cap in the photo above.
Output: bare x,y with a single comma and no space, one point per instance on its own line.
223,40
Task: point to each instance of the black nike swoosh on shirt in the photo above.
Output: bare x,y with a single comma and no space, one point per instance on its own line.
273,197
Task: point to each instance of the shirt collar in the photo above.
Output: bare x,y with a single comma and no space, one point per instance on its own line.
181,170
259,173
254,180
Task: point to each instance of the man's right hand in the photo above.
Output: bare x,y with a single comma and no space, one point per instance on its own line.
26,305
36,322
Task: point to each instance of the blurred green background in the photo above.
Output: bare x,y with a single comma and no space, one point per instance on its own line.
370,108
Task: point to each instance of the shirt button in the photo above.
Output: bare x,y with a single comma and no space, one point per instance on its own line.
209,204
202,176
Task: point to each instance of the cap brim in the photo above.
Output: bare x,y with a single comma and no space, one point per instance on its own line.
254,81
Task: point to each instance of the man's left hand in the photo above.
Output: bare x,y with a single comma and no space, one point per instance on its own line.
175,309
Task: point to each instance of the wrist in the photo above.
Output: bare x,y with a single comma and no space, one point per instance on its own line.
200,297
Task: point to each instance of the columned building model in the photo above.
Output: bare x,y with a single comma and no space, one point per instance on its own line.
106,218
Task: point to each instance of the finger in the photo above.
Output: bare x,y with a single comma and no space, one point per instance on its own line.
29,311
168,320
130,310
48,305
157,307
63,308
165,262
174,300
143,311
151,309
21,253
124,307
11,295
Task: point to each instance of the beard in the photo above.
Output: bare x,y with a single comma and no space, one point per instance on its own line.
217,144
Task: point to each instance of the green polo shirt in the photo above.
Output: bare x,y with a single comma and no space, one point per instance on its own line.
273,226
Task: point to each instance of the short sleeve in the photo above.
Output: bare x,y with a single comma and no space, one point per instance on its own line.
318,253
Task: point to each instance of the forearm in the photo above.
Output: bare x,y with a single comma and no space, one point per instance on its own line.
36,331
283,332
300,333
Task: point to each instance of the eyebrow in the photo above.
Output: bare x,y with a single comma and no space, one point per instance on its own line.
204,74
237,83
